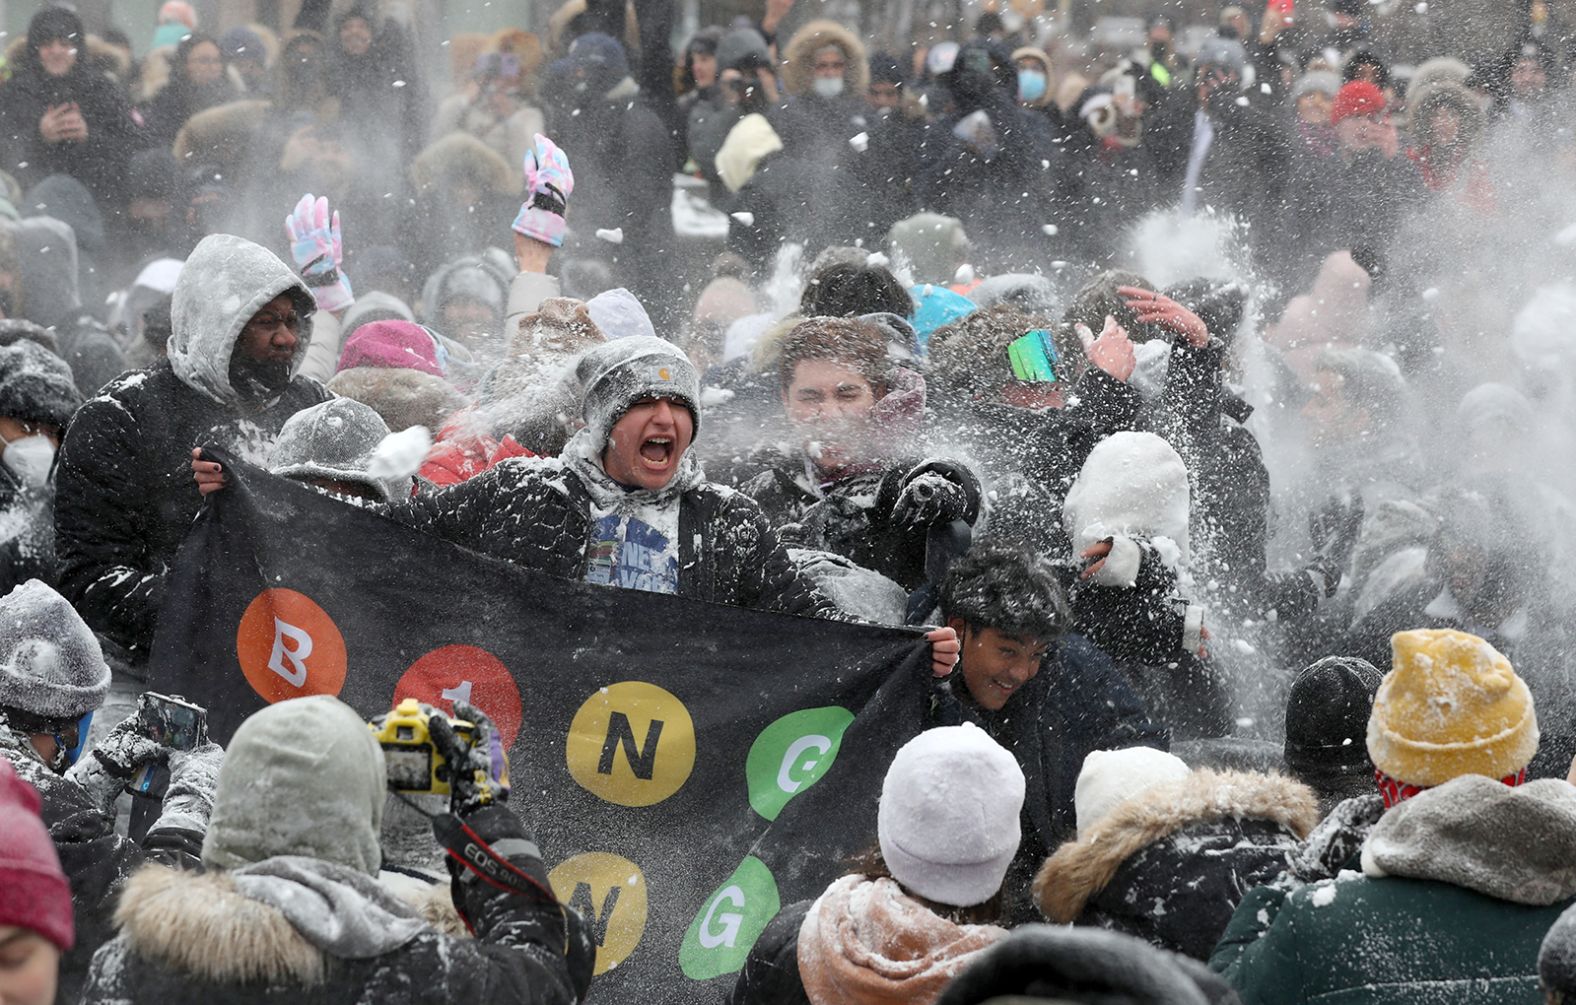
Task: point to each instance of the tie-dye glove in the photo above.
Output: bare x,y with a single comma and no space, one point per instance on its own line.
548,183
318,250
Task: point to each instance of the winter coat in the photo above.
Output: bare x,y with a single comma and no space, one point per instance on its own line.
99,162
853,516
1459,886
27,532
178,101
1077,703
536,513
1171,864
862,942
124,490
189,937
95,859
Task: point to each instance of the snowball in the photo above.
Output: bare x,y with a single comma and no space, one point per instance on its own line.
1324,896
861,142
747,219
614,236
1049,230
400,454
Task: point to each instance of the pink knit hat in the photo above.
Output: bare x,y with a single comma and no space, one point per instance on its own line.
393,345
34,893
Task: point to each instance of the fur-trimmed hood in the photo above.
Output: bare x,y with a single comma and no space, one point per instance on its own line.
799,58
200,924
460,158
1081,869
404,398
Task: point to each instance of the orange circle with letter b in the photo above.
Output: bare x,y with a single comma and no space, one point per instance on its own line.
289,647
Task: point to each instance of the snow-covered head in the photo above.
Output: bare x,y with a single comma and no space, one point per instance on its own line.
224,286
1012,592
51,666
301,777
636,392
1131,485
334,445
948,819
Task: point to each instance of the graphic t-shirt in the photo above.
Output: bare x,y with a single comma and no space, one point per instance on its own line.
627,551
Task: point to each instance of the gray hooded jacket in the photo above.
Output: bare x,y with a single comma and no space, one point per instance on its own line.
124,491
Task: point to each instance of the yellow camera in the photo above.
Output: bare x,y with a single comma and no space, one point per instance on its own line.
415,764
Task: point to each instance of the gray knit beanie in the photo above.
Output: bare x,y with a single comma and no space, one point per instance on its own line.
51,665
302,777
616,375
336,440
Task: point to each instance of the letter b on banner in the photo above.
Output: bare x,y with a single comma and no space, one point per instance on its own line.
289,647
632,744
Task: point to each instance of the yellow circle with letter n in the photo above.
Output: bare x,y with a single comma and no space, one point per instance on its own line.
632,744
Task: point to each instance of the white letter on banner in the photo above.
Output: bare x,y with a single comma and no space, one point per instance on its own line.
797,749
731,923
296,657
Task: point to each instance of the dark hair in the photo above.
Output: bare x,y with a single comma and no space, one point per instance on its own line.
856,344
1015,593
178,74
968,357
872,865
844,291
1362,58
989,22
1098,298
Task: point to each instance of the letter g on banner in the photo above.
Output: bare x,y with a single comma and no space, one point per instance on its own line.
792,754
632,744
725,929
289,647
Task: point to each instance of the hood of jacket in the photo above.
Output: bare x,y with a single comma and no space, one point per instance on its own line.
866,942
226,280
46,251
1081,869
204,925
1511,843
799,58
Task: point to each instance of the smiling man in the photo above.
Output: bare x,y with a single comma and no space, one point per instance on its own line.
1045,694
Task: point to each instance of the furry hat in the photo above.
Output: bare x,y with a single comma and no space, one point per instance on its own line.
948,819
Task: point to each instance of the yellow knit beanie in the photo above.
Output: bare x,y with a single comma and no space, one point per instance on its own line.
1450,706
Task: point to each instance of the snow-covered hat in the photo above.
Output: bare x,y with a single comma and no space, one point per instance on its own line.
948,820
36,385
301,777
51,665
336,439
1451,706
1133,484
616,375
619,315
1111,777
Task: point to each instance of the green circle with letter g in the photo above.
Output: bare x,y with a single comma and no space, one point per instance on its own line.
792,754
721,936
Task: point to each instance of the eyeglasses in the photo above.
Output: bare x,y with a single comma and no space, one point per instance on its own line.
264,322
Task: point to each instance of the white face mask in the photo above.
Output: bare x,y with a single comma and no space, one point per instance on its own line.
828,87
30,458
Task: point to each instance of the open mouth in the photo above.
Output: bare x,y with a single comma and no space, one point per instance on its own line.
657,452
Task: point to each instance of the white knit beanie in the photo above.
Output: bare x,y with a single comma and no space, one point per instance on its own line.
1111,777
948,820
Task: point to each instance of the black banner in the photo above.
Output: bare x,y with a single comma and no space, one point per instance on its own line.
689,768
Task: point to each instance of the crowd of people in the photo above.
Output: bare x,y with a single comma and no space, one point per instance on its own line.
1210,401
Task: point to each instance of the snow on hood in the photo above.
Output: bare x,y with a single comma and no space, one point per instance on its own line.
46,251
1132,484
226,280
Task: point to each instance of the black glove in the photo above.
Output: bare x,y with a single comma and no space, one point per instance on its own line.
1333,529
479,770
930,498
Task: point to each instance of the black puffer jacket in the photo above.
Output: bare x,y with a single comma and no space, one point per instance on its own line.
1171,864
854,516
190,937
124,490
537,514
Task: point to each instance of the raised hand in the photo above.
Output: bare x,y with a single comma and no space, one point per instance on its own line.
318,249
548,183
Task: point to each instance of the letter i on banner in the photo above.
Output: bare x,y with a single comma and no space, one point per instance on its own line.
289,647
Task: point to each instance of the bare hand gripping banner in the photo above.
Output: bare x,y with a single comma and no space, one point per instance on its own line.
689,768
